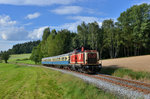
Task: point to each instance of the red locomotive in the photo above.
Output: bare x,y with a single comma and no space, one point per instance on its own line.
86,61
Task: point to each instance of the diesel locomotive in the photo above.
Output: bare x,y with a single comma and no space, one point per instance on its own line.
86,61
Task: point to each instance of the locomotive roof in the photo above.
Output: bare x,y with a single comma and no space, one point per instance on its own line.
67,54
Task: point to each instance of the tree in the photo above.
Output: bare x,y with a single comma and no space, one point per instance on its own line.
46,33
108,30
75,42
133,23
36,55
83,34
5,56
93,36
1,57
23,47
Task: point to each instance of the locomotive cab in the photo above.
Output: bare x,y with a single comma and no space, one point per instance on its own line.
86,60
91,57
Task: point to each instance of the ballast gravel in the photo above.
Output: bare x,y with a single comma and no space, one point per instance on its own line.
107,86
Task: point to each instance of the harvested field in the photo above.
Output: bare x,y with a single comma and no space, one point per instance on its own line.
137,63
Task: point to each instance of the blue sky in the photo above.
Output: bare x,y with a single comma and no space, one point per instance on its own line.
25,20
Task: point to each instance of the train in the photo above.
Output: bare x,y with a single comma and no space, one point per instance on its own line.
81,60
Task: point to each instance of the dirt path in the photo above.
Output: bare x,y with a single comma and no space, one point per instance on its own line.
138,63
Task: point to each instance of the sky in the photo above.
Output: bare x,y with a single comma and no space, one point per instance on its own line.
24,20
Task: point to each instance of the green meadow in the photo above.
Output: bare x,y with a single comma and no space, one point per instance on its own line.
24,82
20,58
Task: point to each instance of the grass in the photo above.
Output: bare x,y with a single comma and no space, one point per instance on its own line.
127,73
20,58
23,82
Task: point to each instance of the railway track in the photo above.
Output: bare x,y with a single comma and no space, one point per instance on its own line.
134,86
131,84
137,86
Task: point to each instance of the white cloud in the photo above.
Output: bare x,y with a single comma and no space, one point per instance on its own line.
79,19
37,33
68,10
6,21
14,33
84,18
33,16
74,10
37,2
9,30
138,2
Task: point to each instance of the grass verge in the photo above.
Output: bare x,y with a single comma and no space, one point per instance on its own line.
22,82
127,73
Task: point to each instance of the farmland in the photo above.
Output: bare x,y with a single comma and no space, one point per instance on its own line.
20,58
17,82
136,63
135,68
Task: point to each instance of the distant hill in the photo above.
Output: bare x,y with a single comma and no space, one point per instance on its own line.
24,47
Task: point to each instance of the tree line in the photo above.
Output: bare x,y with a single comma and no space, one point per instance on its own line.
129,36
19,49
24,47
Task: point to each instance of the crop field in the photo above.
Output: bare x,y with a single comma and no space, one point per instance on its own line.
20,58
23,82
137,63
135,68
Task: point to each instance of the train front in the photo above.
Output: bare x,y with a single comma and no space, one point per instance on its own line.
86,61
91,63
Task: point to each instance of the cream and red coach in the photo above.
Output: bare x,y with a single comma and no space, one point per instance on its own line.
78,60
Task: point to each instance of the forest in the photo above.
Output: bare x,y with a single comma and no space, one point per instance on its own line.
23,47
129,36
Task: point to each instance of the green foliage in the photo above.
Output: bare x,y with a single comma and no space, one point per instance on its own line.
75,42
94,35
36,55
83,34
46,34
23,48
134,23
5,56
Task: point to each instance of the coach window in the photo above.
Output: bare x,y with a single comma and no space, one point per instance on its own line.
65,58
